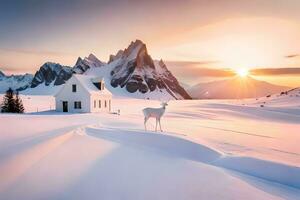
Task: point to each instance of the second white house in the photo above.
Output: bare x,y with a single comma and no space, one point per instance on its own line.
83,94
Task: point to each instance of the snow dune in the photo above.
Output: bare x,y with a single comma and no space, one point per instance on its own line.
186,149
271,171
112,165
165,144
209,150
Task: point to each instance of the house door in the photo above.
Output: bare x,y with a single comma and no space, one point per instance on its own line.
65,106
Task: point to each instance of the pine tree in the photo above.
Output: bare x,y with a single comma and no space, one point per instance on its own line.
8,104
19,108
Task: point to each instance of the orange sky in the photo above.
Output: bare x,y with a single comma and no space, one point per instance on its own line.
231,34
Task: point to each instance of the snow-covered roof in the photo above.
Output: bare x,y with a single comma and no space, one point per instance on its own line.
87,83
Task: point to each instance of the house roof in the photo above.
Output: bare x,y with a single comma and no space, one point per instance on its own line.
86,82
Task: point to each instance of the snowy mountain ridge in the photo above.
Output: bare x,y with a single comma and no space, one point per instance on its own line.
234,88
51,72
82,65
131,72
14,81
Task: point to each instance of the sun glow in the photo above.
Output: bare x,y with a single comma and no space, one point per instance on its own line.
242,72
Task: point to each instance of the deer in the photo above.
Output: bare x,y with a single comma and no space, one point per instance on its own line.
156,113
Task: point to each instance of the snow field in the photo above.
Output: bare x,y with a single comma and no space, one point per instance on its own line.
209,150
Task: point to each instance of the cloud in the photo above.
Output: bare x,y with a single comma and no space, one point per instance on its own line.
202,68
34,52
195,72
213,72
184,63
3,68
276,71
207,68
292,56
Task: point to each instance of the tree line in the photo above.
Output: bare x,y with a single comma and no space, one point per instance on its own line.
12,103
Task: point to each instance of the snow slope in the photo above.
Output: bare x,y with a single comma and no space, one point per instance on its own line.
286,99
247,149
42,90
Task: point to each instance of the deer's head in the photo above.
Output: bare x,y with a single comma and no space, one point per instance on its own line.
164,104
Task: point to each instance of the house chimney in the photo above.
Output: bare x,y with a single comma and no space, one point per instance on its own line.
102,84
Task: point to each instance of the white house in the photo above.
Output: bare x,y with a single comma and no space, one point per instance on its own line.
83,94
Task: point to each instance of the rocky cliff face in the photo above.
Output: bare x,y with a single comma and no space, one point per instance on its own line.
135,70
51,72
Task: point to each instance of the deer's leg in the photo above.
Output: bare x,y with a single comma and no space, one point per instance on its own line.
145,121
160,125
156,125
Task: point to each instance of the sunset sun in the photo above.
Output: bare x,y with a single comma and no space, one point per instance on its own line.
242,72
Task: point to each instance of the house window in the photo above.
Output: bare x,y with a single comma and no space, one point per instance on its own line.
94,103
77,105
105,103
74,88
99,103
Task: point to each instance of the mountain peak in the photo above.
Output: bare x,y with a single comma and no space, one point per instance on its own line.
79,60
49,63
1,74
138,42
115,57
135,70
133,51
46,64
134,48
135,43
82,65
161,63
93,58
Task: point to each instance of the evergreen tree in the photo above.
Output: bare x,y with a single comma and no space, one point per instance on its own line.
19,108
8,104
